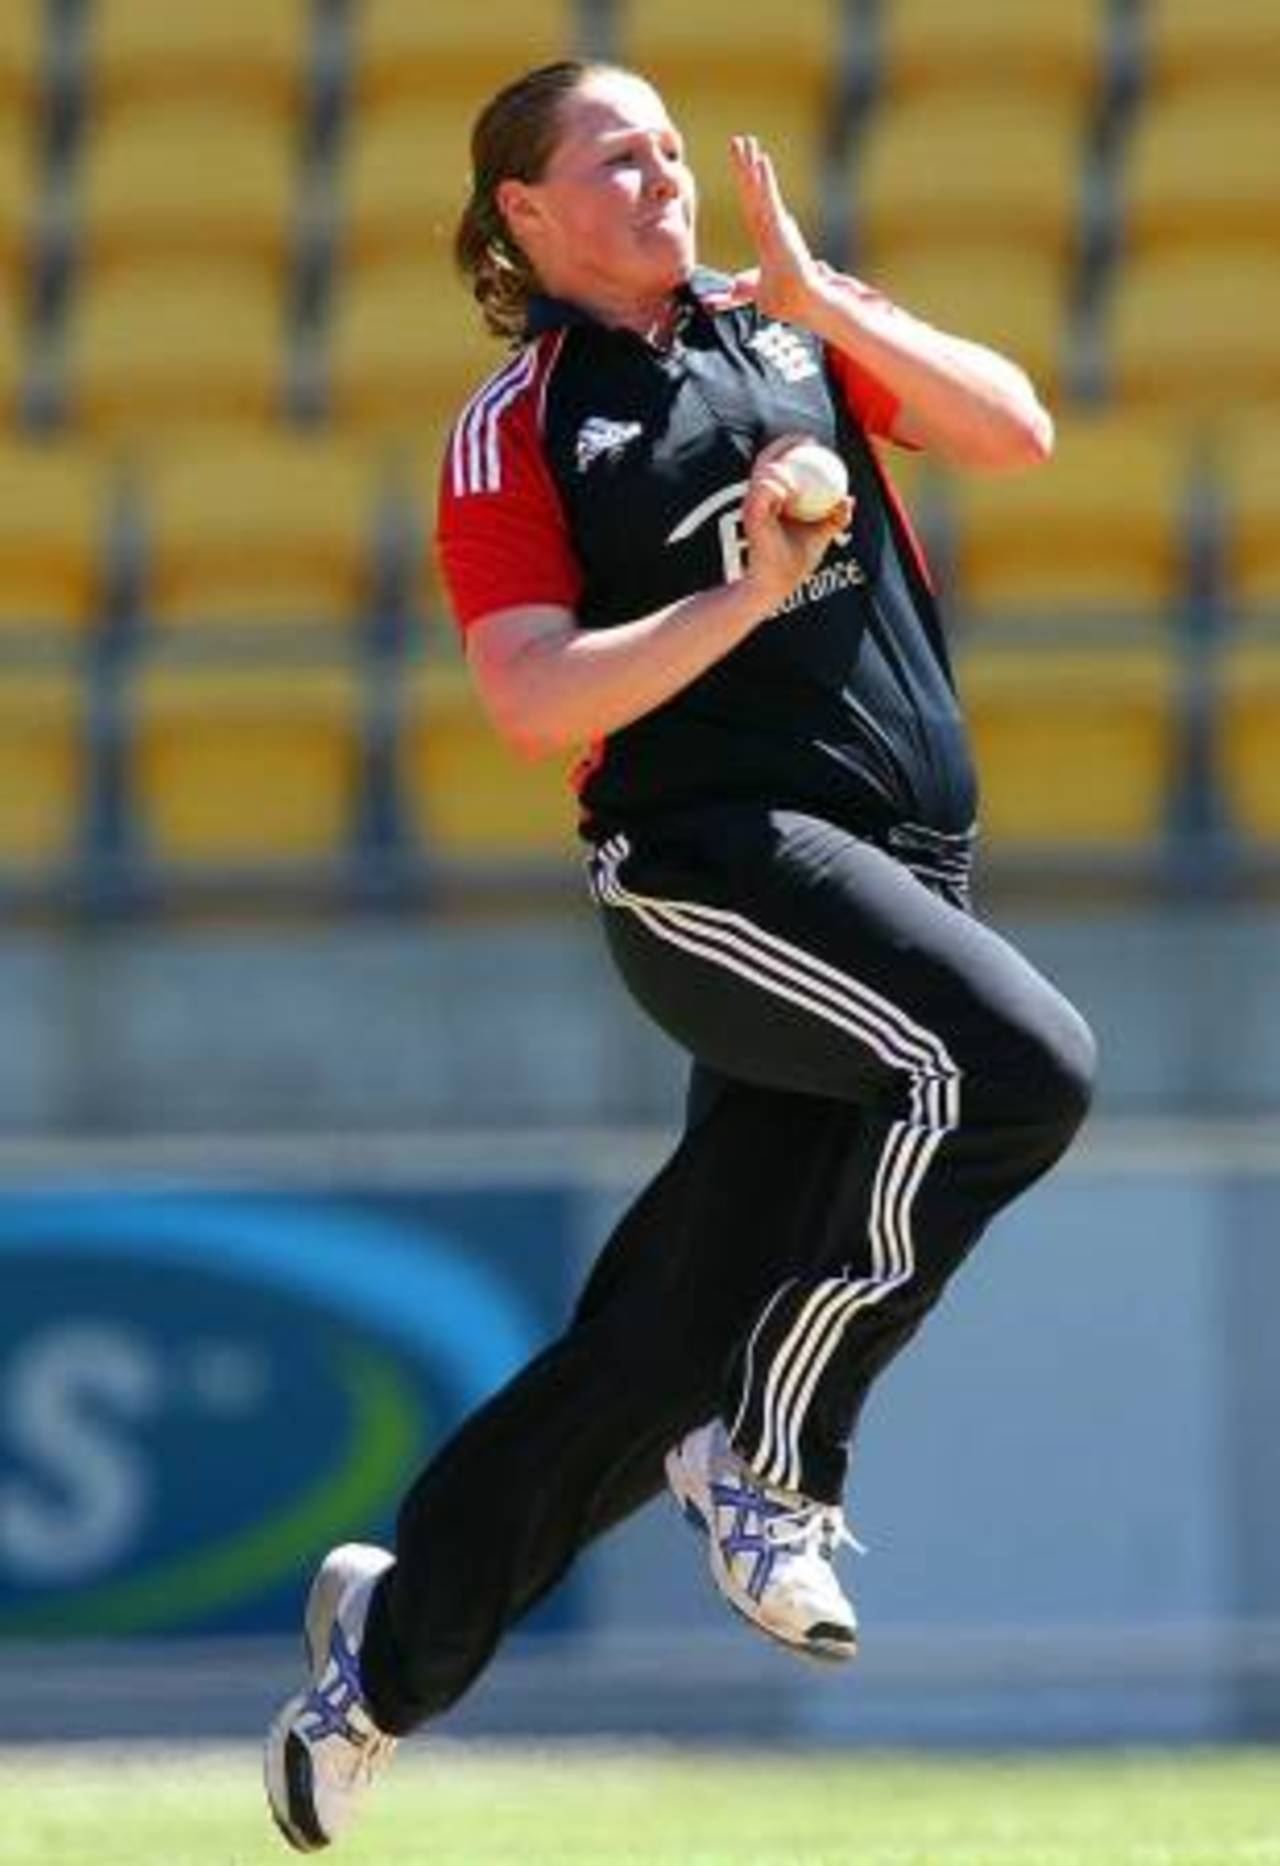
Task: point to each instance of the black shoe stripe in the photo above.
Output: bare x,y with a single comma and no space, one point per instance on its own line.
298,1780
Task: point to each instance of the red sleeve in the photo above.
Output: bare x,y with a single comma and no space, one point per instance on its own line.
501,536
871,404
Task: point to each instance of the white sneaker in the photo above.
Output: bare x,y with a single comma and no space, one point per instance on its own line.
324,1750
771,1551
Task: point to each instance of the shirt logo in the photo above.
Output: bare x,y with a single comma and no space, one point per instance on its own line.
786,351
598,436
725,508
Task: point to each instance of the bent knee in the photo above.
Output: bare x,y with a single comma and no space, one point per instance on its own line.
1044,1072
1062,1070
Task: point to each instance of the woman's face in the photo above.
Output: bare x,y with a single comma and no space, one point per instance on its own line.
614,210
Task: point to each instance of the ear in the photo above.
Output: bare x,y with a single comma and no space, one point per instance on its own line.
520,208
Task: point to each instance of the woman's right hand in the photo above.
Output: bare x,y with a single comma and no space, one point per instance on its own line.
781,551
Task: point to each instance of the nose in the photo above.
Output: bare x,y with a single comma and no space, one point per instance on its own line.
661,182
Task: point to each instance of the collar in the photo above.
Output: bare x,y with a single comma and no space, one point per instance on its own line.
545,313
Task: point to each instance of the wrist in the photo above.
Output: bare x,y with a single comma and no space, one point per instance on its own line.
752,597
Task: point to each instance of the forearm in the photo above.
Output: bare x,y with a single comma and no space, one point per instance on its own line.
564,685
958,398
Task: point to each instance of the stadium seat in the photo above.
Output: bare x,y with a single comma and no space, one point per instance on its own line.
174,345
54,519
1026,317
12,343
797,48
944,45
1098,530
18,190
1076,749
1198,42
189,181
251,49
22,52
258,529
1195,331
404,177
404,47
465,794
43,767
1249,476
1203,167
954,170
407,345
245,767
1248,721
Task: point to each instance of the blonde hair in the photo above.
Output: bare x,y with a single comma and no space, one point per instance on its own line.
512,139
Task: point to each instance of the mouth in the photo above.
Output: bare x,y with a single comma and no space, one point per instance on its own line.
672,213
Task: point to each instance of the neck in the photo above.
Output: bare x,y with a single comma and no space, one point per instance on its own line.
651,317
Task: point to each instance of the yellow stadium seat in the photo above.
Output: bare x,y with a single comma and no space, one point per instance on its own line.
985,44
43,766
54,516
1011,298
404,46
1248,732
12,345
255,49
259,529
1197,42
18,189
1098,529
407,344
405,177
677,44
157,345
1250,486
1195,331
1076,749
954,170
465,793
791,126
245,767
189,181
22,50
1204,167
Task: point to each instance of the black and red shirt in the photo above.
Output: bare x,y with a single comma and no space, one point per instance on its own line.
600,473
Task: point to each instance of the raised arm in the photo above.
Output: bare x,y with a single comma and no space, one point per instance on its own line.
956,398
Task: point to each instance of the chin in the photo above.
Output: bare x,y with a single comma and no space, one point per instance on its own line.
677,263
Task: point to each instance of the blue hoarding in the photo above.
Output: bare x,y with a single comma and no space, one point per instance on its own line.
201,1390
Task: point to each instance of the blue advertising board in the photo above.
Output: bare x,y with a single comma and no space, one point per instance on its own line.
200,1391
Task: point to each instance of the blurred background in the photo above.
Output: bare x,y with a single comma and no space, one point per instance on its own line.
316,1095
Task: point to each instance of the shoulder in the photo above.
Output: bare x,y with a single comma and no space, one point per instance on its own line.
503,417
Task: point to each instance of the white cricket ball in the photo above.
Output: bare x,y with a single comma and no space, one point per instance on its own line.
817,478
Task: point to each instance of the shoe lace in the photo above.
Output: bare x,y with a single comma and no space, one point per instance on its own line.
811,1528
366,1753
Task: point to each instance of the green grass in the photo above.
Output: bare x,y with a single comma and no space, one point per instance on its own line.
447,1804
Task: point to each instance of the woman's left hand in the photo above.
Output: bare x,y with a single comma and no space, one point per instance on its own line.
788,277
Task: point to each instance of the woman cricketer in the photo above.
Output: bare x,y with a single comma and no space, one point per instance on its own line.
778,802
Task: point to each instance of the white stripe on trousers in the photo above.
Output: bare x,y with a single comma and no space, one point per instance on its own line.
786,971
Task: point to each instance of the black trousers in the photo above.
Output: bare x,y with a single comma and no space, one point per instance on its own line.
876,1074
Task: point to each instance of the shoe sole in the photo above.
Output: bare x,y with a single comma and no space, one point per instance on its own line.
817,1651
334,1576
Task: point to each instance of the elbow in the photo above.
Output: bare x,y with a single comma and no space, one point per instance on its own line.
1038,435
524,732
1025,438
